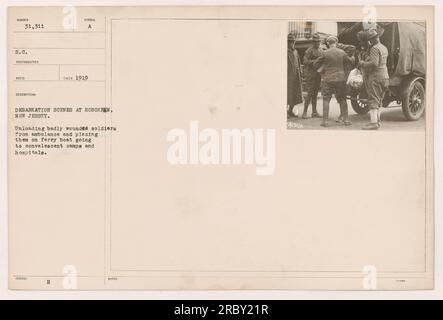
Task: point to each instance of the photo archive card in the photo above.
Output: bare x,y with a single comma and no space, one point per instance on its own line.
221,148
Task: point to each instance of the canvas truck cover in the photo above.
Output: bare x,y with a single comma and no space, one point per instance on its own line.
411,42
412,59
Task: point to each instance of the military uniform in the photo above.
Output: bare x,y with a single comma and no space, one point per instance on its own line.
294,79
376,77
334,62
350,51
312,77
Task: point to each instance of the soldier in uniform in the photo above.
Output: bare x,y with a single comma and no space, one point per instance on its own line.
333,63
294,78
376,78
313,78
350,51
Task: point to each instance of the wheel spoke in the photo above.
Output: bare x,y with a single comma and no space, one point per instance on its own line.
415,99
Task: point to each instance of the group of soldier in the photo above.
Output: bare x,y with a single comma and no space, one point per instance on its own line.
327,70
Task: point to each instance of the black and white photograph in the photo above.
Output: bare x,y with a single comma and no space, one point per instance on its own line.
356,75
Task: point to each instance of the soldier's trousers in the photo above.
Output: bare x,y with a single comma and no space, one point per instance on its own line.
376,90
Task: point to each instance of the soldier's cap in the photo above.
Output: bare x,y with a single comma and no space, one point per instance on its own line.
331,39
316,37
371,34
291,37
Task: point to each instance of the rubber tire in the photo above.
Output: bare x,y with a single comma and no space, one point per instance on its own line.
360,108
405,101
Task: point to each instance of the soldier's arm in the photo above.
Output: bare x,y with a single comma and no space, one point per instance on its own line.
319,62
307,59
372,60
349,61
300,69
348,48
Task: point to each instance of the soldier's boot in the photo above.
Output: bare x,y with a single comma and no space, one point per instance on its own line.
344,112
340,118
373,124
306,106
315,113
325,122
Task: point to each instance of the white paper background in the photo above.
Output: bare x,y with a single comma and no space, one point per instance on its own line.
432,294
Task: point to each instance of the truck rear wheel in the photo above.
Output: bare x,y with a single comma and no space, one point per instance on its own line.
413,99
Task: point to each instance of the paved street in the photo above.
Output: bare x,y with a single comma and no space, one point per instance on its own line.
392,119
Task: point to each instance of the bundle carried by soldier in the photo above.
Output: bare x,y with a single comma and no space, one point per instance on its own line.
355,79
